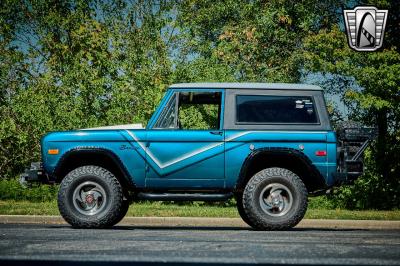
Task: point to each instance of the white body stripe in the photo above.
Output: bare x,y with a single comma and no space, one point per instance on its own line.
198,151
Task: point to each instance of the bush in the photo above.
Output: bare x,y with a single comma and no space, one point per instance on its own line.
368,192
372,190
321,202
10,189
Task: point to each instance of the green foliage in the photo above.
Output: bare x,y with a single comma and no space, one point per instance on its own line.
76,64
376,104
378,73
255,40
204,116
321,203
10,189
67,69
370,191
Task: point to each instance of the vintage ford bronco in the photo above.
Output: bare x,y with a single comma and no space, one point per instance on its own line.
267,145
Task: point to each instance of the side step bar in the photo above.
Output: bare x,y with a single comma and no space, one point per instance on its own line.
183,196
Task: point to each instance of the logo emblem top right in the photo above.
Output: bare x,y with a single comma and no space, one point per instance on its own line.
365,26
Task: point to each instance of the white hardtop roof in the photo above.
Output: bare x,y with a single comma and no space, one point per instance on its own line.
245,85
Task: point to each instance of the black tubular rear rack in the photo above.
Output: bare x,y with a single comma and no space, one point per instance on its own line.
353,142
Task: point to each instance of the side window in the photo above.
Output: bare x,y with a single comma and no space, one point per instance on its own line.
266,109
199,110
191,110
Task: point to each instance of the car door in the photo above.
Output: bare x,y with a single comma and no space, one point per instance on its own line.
185,146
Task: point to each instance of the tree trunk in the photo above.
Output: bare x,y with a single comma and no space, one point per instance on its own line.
381,158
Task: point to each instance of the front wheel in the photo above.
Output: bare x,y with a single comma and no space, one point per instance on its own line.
91,197
275,199
123,211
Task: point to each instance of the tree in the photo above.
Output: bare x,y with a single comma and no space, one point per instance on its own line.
377,103
253,40
76,64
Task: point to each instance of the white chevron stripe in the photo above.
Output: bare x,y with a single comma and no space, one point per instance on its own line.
198,151
185,156
148,152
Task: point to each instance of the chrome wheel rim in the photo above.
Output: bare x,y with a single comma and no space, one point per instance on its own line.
276,199
89,198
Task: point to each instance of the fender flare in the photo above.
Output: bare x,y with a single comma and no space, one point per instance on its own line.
318,180
126,177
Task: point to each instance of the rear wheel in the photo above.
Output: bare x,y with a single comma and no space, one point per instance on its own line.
91,197
240,208
275,199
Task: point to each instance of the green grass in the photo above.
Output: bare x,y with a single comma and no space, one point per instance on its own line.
160,209
352,214
12,207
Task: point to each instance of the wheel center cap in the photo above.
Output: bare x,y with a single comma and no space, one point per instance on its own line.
89,199
276,201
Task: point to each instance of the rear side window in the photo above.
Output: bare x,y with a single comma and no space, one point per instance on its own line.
266,109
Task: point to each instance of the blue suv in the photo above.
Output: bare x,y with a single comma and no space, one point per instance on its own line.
267,145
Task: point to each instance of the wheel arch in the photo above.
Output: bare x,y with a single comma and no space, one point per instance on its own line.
288,158
93,156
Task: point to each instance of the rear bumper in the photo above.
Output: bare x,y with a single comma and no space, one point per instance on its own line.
35,174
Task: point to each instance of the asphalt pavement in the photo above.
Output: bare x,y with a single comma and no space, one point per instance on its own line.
39,244
210,222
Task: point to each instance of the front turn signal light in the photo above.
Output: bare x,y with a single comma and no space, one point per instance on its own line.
53,151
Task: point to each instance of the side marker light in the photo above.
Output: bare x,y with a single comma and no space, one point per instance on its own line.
320,153
53,151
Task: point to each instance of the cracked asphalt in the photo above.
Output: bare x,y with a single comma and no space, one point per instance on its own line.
36,244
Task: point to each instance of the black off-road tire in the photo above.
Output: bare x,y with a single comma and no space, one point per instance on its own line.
113,208
124,210
240,209
260,219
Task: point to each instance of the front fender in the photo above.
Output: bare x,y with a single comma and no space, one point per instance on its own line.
90,154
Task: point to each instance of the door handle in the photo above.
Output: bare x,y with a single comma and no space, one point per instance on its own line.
216,133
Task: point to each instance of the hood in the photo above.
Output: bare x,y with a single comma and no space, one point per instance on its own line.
128,126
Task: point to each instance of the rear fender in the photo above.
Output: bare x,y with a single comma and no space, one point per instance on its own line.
288,158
